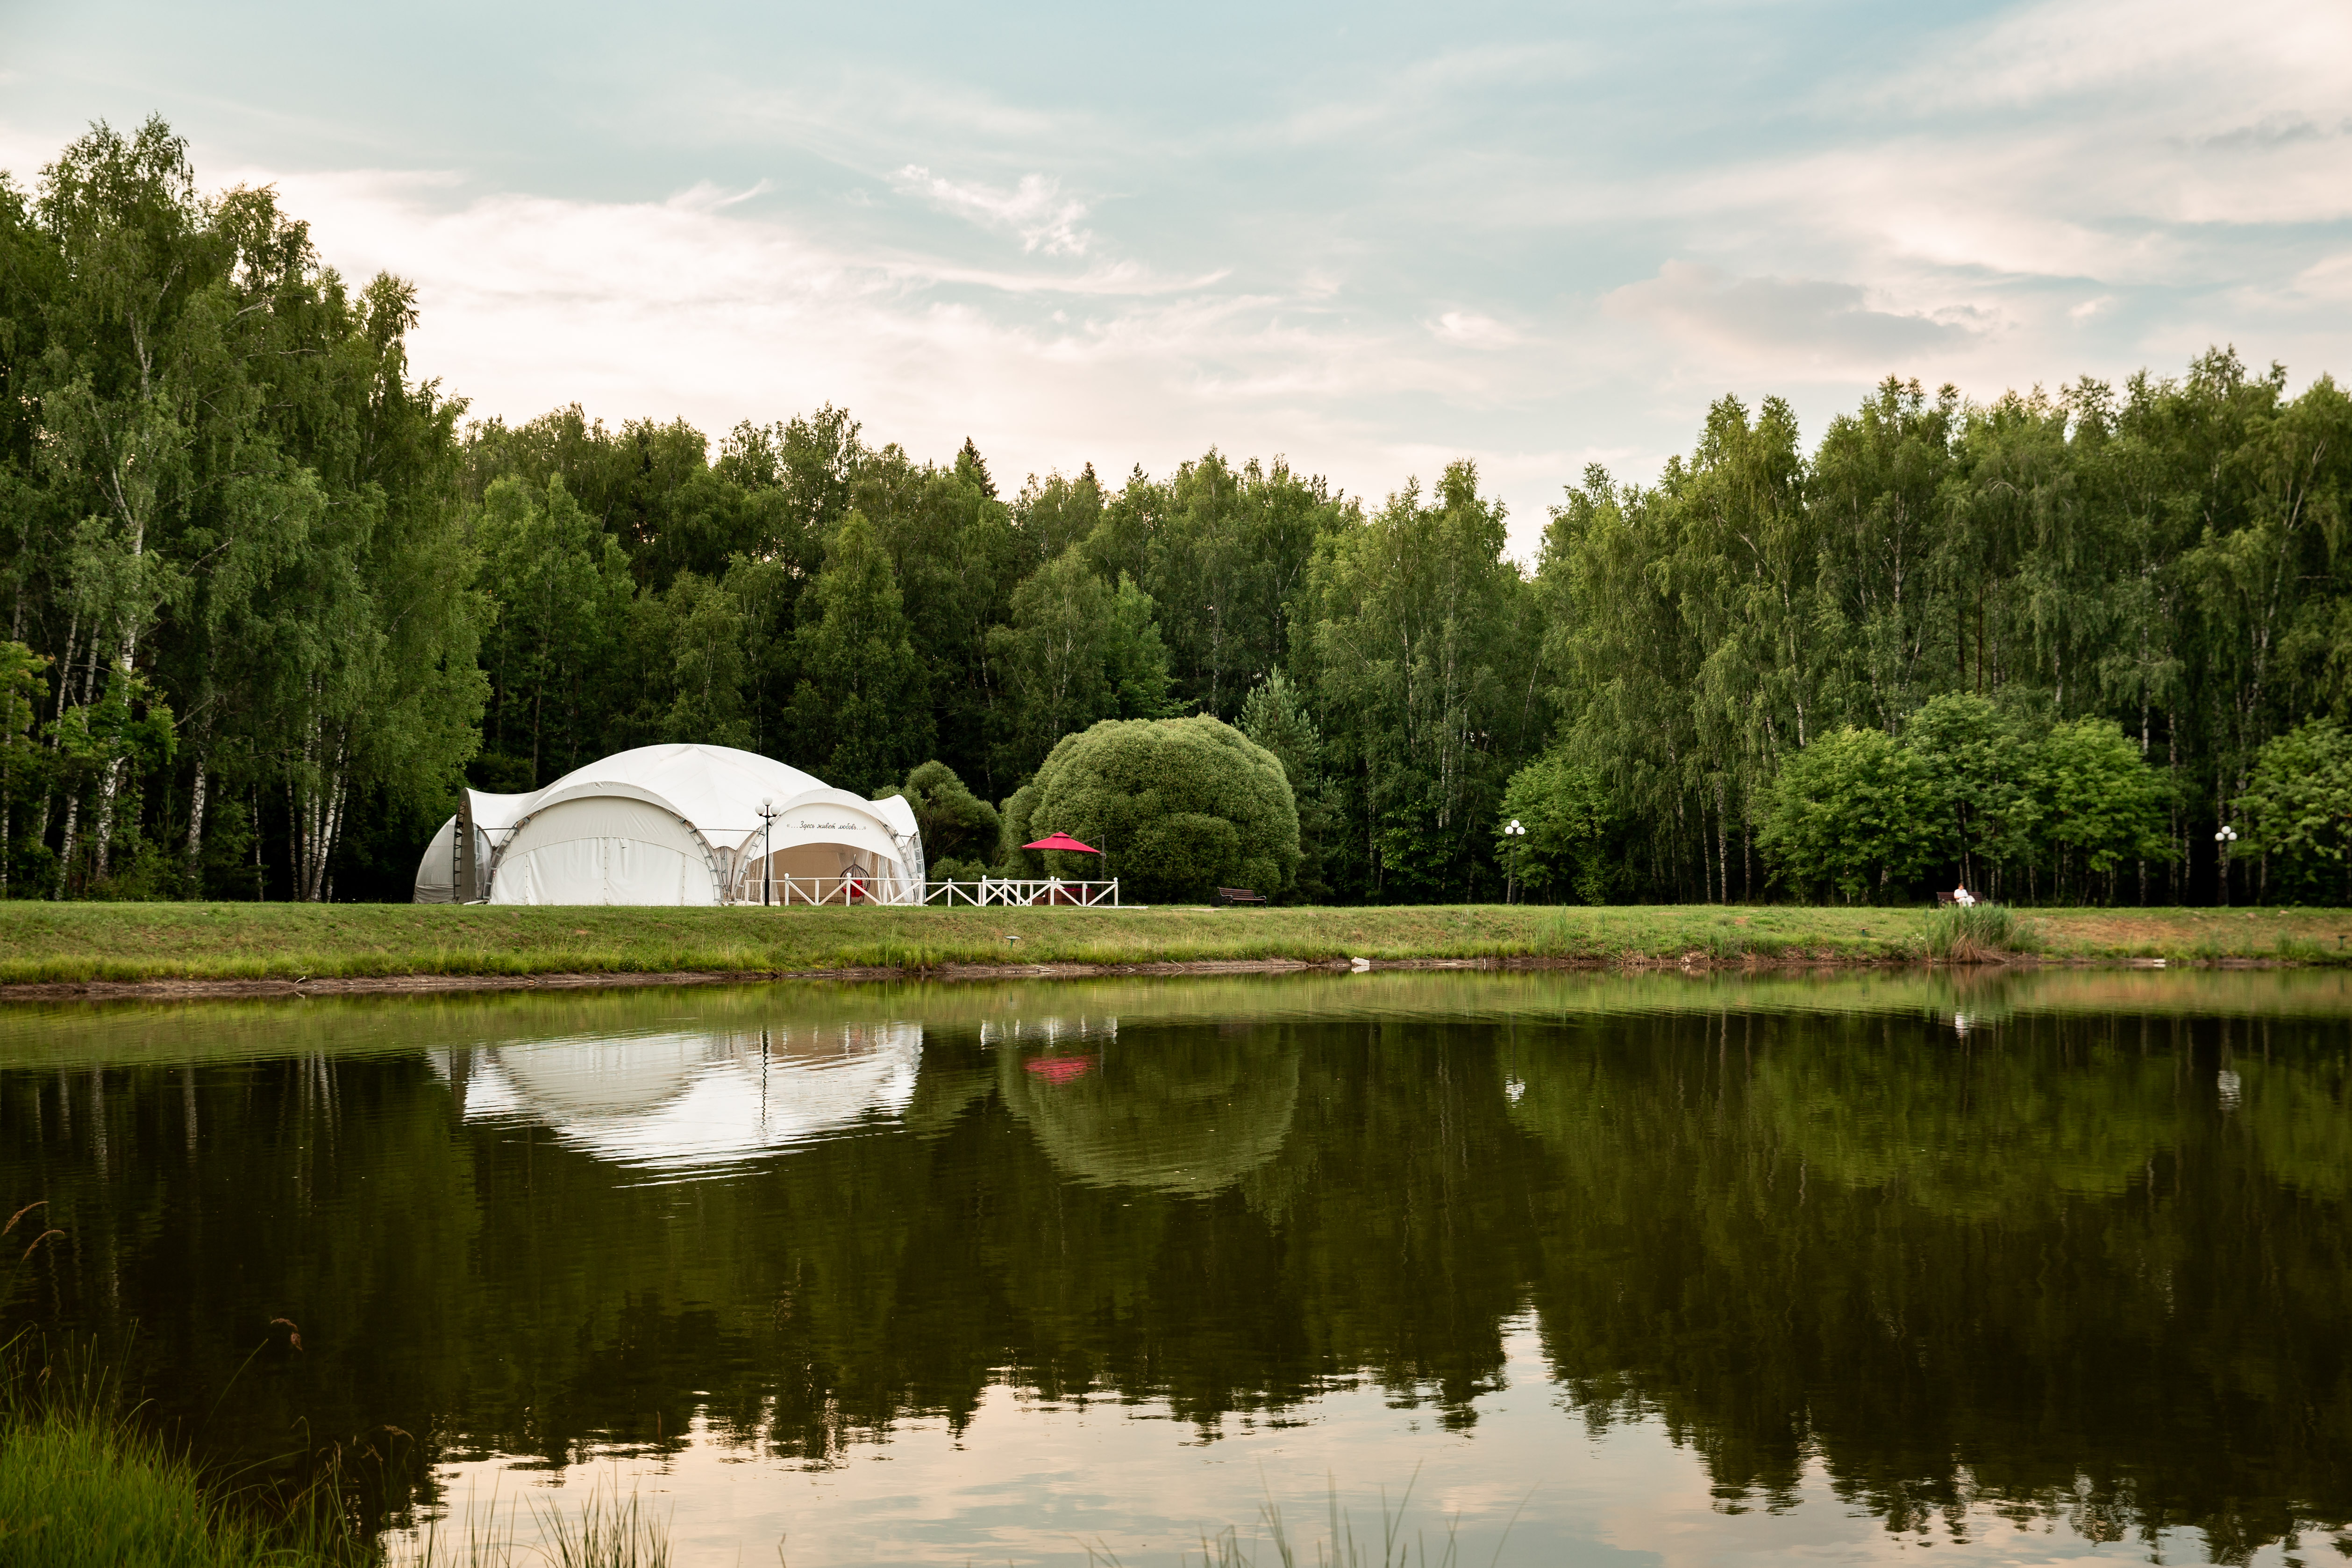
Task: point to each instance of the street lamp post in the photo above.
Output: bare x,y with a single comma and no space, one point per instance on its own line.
768,815
1515,831
2225,837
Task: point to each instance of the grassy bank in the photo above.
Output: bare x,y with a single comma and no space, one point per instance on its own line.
84,1485
43,942
76,1490
81,1491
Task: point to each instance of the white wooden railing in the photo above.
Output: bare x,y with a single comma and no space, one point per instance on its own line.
1021,890
886,890
821,890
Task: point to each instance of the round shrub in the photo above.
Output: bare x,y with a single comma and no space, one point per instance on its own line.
1179,808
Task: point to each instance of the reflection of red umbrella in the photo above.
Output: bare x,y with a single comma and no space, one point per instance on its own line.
1059,1070
1063,841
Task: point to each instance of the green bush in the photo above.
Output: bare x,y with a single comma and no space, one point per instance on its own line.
959,827
1567,815
1997,797
1854,812
2299,811
1178,807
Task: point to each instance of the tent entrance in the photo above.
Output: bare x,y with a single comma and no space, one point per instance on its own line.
813,874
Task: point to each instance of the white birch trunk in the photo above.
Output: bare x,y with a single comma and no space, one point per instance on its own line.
64,852
196,828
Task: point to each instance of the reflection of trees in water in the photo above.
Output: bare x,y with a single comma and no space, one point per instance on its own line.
1187,1110
2039,1269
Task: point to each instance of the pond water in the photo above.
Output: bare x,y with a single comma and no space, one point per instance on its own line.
1558,1268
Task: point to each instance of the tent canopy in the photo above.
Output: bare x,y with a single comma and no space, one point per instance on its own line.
679,825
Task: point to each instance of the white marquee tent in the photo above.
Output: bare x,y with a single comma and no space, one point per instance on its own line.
675,825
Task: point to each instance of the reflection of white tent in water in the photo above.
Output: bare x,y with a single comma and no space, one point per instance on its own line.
1186,1110
675,825
681,1101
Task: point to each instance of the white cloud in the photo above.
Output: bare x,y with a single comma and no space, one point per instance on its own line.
1469,329
1822,325
2240,59
2327,279
692,307
1034,210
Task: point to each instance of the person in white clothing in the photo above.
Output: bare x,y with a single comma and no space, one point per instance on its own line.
1962,897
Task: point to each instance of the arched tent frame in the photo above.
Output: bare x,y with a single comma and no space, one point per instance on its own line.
446,875
518,878
676,825
877,837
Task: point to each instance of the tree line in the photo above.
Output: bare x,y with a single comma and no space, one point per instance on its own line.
271,598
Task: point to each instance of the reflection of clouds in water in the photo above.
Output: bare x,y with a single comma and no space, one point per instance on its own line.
692,1099
1039,1481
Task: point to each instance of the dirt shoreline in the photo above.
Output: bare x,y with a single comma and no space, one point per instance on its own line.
406,985
422,985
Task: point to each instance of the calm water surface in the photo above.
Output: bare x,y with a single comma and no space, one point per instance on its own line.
1607,1270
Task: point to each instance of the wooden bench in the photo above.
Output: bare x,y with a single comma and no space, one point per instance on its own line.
1239,896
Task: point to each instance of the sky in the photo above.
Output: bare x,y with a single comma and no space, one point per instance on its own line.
1372,240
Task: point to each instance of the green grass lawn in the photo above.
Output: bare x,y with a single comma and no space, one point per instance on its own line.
81,942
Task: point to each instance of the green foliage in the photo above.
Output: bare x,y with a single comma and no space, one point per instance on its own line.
2098,805
861,705
1980,759
1418,644
1274,716
706,633
22,768
2159,559
1225,551
1855,812
1867,814
1567,815
227,502
1178,807
564,590
1077,651
957,826
2298,809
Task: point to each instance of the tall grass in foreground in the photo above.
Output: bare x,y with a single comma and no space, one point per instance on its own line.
609,1531
1976,933
81,1485
1339,1546
84,1485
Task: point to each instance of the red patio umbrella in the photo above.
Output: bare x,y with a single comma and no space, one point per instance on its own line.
1063,841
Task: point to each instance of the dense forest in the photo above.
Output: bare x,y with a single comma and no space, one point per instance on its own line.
271,599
